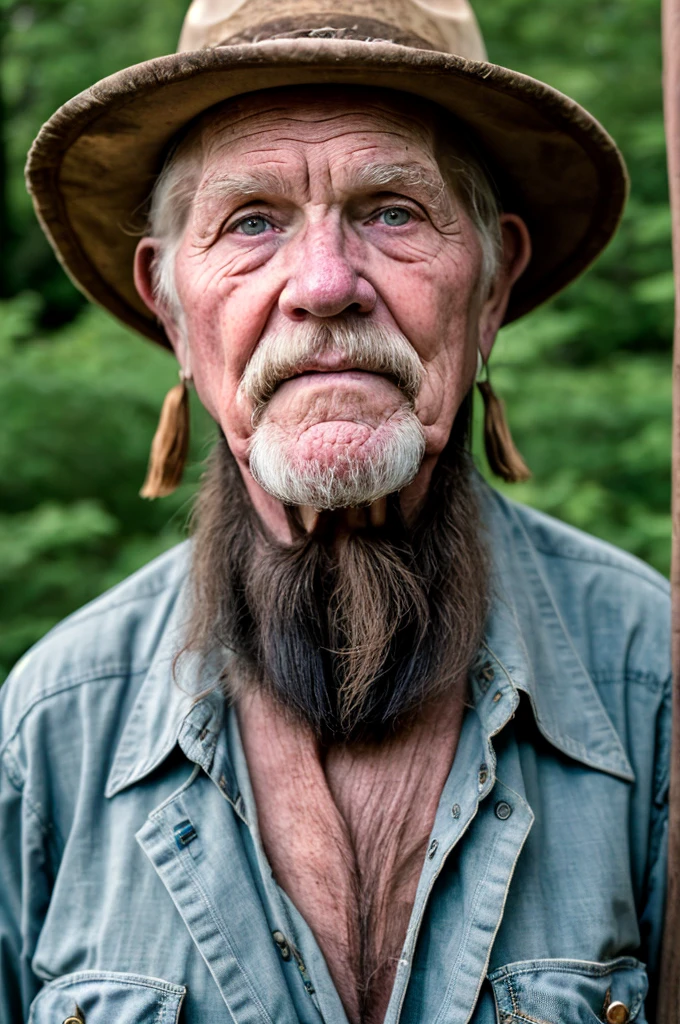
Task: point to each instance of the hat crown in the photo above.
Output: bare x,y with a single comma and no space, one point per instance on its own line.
449,26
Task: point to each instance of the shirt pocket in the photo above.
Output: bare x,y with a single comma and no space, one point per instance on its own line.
570,992
105,997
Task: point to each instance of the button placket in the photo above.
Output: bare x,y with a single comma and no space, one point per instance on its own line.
288,952
199,891
461,811
489,865
302,968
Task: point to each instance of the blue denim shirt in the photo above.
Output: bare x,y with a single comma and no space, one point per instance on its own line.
133,883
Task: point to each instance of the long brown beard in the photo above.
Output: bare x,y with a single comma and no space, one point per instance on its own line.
351,630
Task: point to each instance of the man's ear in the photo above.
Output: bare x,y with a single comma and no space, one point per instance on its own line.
146,254
514,259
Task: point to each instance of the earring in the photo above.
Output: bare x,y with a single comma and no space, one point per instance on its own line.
501,452
170,444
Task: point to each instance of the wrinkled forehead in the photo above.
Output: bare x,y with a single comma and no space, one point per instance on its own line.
309,115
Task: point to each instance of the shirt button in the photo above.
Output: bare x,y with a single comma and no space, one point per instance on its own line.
483,774
434,846
503,811
617,1013
184,833
280,940
77,1018
455,810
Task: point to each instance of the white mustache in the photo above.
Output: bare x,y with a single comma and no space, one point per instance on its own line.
361,343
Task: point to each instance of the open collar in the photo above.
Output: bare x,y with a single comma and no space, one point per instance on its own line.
526,640
179,701
530,645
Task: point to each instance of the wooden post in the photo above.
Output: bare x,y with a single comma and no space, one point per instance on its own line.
669,991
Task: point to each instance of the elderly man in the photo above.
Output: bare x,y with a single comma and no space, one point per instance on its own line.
378,745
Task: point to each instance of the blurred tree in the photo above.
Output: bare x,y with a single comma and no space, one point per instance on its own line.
80,406
50,50
606,54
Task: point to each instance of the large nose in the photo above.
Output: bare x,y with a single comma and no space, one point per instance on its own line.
324,282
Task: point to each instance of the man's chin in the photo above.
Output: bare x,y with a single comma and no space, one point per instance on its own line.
337,464
335,485
338,446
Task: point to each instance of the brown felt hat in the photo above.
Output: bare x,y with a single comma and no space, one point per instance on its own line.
93,164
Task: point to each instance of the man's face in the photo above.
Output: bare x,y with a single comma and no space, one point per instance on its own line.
312,207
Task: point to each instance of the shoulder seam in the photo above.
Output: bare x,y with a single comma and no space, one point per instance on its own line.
543,520
607,563
92,612
114,672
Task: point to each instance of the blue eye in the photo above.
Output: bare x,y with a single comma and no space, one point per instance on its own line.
254,225
395,216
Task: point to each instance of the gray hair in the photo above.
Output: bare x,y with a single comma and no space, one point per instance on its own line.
379,348
175,187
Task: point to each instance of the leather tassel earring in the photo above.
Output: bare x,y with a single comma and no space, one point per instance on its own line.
501,452
170,443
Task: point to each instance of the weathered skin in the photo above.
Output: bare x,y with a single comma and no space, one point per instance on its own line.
326,247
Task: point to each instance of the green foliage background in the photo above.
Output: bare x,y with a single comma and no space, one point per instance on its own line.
586,378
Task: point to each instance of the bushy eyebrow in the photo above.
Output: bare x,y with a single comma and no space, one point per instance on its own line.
228,186
392,177
400,177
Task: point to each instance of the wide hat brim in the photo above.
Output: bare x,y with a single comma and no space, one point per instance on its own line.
92,167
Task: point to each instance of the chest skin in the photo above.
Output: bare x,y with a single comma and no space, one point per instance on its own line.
346,831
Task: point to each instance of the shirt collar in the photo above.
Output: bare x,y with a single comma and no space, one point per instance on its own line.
172,706
527,648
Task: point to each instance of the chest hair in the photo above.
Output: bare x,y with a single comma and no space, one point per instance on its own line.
346,831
